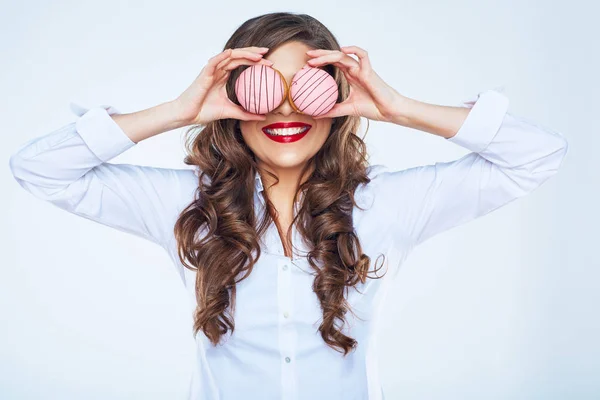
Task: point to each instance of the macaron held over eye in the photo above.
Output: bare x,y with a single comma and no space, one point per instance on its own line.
260,89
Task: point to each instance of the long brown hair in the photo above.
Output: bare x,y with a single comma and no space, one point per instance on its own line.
224,207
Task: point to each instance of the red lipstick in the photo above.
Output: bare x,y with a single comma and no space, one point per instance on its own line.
286,138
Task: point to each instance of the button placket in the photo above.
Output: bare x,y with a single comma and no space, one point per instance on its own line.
287,334
286,268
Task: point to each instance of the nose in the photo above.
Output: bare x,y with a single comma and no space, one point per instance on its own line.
285,108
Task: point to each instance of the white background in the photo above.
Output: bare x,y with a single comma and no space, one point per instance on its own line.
504,307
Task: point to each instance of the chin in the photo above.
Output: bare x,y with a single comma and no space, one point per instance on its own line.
292,162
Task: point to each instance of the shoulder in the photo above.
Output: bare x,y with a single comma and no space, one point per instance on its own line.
170,189
378,175
188,182
387,188
374,170
365,193
178,190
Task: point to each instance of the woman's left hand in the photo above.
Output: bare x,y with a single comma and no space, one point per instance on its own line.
369,96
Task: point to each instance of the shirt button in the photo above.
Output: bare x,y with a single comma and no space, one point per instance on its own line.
285,267
287,360
286,314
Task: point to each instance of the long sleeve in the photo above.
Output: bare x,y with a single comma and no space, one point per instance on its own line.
509,158
69,168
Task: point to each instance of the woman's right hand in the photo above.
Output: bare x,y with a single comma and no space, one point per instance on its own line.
206,99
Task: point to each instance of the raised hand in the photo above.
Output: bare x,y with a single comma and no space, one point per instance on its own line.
206,98
369,95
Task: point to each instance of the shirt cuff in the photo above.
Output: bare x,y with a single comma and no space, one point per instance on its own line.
483,121
100,132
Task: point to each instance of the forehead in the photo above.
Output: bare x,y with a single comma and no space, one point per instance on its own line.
289,57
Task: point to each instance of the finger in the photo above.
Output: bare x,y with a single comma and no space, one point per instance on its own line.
242,52
236,111
319,52
255,49
236,53
338,110
237,56
253,53
336,57
241,114
215,60
232,64
225,62
362,55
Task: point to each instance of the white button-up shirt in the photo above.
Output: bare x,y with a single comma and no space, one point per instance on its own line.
276,351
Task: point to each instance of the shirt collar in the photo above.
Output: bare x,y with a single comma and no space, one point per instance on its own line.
258,185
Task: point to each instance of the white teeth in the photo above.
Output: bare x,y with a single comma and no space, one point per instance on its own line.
286,131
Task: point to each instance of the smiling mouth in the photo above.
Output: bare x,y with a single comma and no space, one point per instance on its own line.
286,132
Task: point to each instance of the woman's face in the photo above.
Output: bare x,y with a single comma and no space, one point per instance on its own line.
274,152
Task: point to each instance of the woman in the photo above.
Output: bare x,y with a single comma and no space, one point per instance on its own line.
274,237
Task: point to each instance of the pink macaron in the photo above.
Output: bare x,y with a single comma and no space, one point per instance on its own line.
313,91
260,89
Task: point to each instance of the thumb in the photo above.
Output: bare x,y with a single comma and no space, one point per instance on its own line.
338,110
244,115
